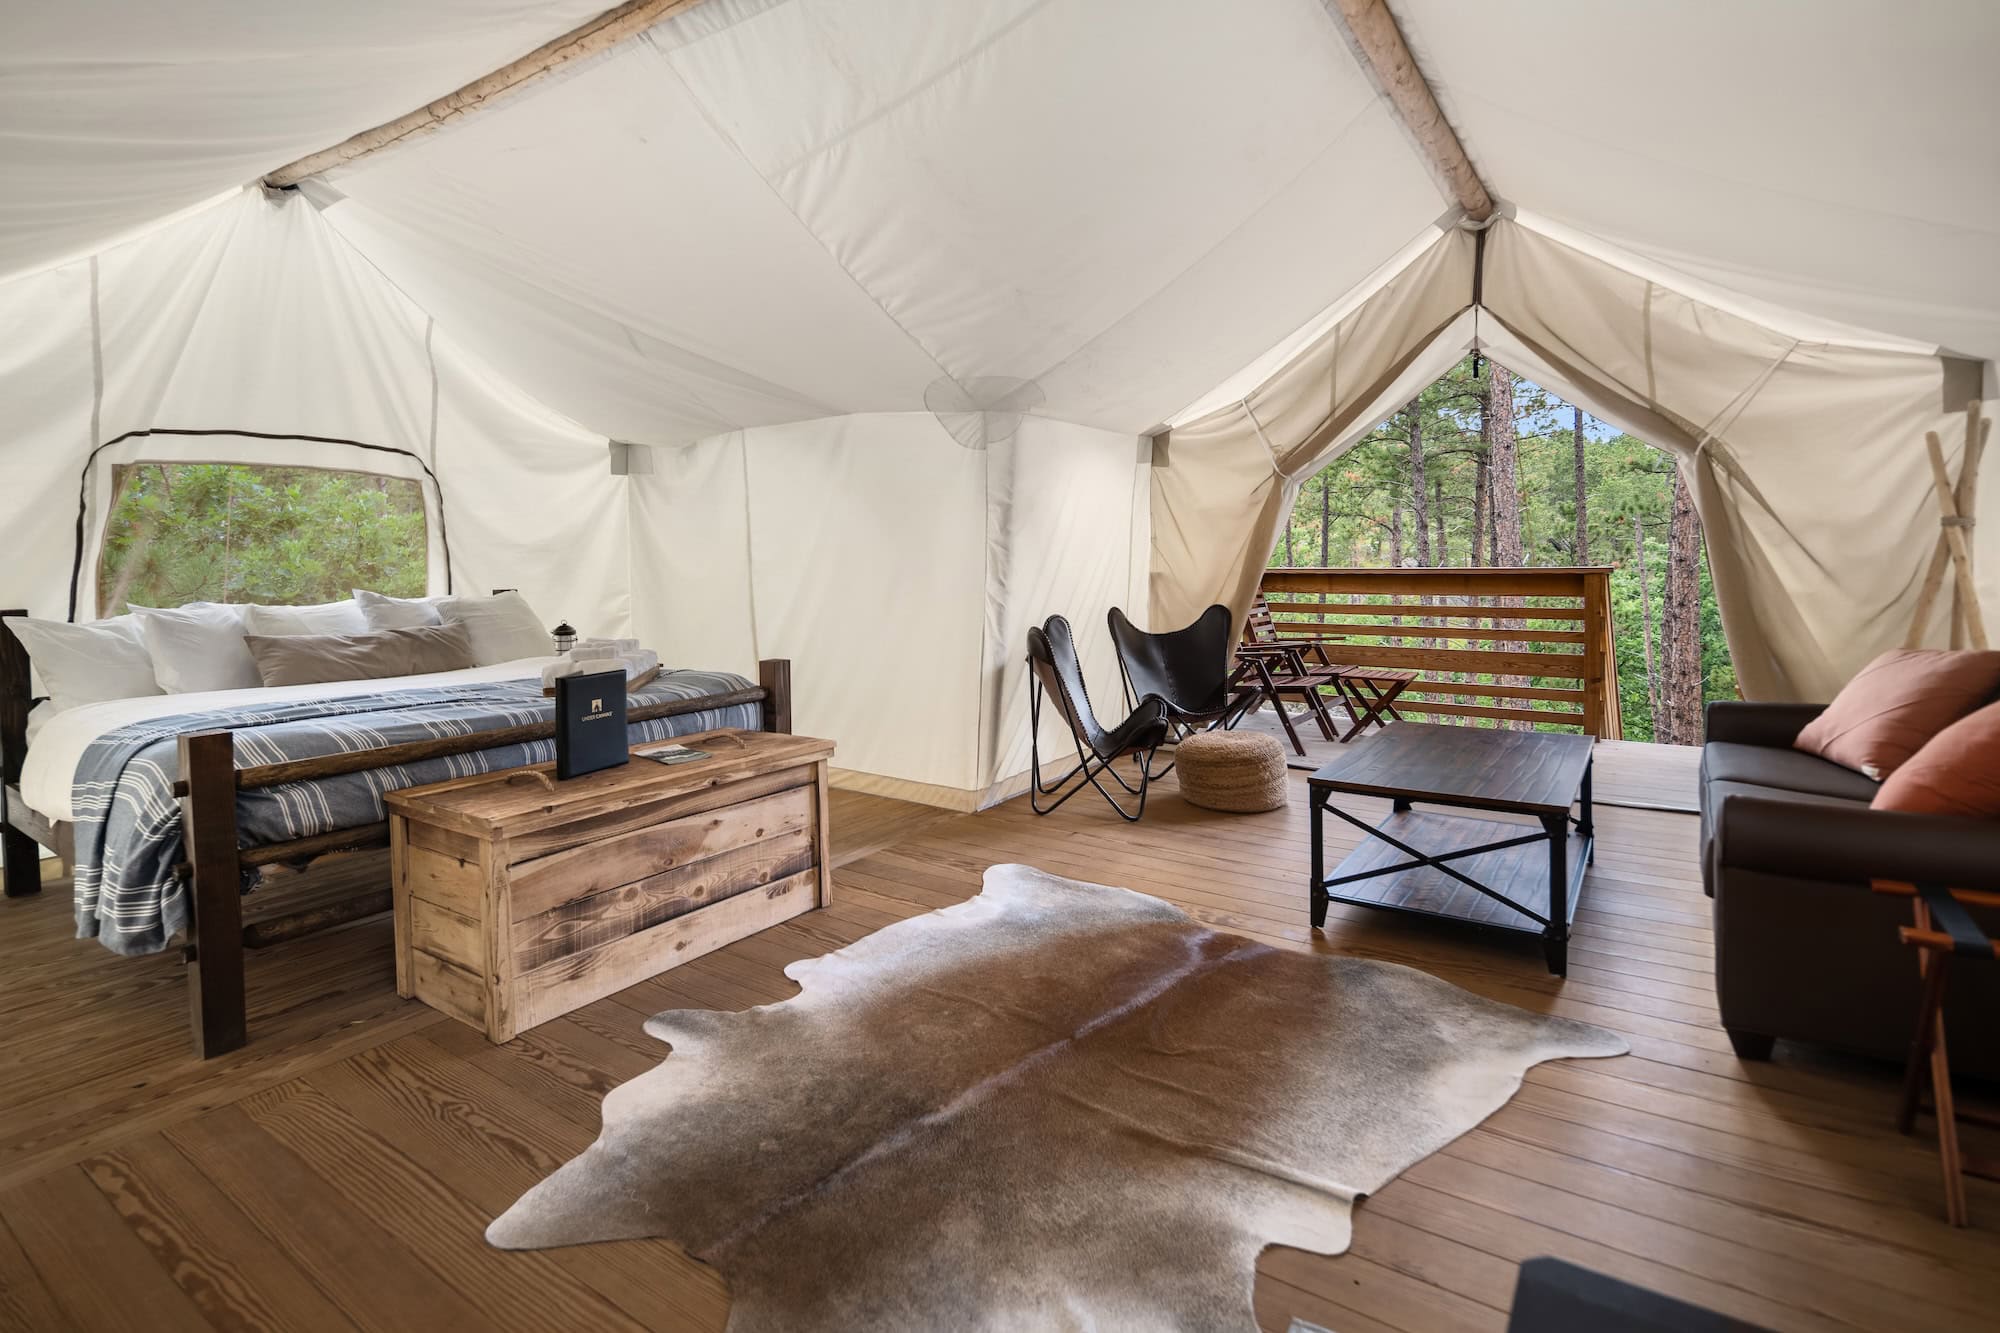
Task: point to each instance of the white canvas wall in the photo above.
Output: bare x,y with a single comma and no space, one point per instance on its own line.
1068,527
899,570
897,558
867,538
690,561
254,316
531,503
45,378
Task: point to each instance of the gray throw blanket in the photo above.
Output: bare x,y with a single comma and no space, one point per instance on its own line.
128,824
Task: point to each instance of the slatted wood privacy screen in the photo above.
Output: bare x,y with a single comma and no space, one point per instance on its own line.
1507,645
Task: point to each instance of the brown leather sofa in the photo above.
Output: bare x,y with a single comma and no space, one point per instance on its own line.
1803,950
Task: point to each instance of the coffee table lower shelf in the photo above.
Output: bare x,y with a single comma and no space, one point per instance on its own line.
1516,877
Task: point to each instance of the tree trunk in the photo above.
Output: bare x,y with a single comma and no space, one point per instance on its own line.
1646,624
1325,527
1325,517
1396,537
1683,646
1482,491
1582,499
1437,517
1419,491
1496,432
1496,429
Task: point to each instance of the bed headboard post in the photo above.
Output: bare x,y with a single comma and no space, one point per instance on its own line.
775,675
16,697
215,935
23,857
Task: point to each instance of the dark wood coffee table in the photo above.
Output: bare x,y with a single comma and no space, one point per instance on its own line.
1484,871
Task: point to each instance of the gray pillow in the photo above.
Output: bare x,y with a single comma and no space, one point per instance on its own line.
316,659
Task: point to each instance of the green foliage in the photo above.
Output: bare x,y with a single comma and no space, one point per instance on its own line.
1361,493
223,532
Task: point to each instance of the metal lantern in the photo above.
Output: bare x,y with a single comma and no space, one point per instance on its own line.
565,637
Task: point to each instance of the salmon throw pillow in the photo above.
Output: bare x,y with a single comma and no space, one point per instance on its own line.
1957,773
1898,702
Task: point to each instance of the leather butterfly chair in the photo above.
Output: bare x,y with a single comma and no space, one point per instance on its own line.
1053,669
1187,670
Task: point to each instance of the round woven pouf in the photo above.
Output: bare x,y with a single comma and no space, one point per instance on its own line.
1242,772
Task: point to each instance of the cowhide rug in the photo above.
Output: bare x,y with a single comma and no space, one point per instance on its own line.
1054,1105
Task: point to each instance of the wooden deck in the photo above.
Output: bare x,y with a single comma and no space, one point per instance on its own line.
338,1172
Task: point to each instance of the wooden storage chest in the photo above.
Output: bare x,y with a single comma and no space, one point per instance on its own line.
519,898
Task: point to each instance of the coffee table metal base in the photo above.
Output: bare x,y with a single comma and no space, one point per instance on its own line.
1491,873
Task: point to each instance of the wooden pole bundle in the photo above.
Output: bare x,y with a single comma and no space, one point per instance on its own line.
1956,506
600,34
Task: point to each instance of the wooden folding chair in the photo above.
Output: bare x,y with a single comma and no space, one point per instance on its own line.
1260,630
1367,693
1944,931
1270,673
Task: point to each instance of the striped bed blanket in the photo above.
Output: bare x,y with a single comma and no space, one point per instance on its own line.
128,823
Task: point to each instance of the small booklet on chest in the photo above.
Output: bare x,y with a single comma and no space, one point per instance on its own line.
590,723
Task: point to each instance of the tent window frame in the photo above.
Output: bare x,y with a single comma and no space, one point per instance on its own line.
123,472
83,487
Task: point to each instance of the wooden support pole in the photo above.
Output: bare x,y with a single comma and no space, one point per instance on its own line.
1968,497
1957,508
600,34
1381,43
1965,595
215,936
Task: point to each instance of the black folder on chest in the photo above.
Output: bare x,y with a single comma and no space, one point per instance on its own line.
590,723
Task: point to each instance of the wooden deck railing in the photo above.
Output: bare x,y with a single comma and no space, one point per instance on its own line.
1510,645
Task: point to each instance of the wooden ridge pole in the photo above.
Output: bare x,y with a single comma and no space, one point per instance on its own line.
1375,32
600,34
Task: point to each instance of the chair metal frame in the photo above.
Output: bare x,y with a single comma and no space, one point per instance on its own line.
1093,762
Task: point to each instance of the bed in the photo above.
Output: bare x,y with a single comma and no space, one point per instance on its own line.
190,816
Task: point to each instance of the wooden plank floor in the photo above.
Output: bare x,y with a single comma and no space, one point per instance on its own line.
338,1173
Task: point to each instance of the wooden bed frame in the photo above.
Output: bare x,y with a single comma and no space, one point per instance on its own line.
221,930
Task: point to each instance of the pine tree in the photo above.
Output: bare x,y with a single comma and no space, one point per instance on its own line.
1498,432
1419,500
1582,493
1646,617
1681,636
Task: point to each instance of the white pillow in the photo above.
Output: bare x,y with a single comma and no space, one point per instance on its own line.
38,717
503,627
325,618
199,647
385,612
88,663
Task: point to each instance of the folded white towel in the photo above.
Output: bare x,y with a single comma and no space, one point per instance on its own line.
633,664
593,652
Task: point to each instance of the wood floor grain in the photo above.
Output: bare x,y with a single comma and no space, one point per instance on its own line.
337,1173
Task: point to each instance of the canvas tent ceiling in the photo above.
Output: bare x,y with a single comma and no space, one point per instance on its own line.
825,256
